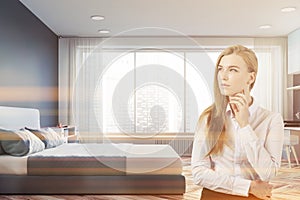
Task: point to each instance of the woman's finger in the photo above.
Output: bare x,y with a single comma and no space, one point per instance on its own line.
241,97
234,107
237,101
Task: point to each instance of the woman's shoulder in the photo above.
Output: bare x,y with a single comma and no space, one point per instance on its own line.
268,114
261,110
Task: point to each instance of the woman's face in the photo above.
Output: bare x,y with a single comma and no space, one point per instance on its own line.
233,75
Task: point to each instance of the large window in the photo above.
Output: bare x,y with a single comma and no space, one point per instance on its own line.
151,92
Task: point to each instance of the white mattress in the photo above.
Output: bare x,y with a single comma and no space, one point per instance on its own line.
140,159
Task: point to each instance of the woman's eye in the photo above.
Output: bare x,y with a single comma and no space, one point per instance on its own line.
233,70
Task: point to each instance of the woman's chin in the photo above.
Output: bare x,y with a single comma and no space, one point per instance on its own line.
227,93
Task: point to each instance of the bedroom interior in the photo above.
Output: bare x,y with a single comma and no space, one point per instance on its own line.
131,91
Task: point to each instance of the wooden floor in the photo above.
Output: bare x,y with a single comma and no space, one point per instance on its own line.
286,187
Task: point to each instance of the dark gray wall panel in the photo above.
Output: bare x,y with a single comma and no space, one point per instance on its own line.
28,62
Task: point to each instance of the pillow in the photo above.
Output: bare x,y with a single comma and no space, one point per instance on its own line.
1,150
8,136
48,136
20,142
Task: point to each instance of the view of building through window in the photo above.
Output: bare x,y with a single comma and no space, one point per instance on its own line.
152,92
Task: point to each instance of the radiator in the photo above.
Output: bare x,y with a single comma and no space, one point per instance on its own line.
182,145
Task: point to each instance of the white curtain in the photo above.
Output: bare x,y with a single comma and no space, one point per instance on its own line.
77,80
270,85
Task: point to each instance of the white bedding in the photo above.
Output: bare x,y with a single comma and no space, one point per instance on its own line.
140,159
13,165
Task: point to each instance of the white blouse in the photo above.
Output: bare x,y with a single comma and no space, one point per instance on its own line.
254,153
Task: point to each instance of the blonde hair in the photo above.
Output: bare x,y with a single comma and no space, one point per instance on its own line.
215,114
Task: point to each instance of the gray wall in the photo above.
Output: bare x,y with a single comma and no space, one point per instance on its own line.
28,62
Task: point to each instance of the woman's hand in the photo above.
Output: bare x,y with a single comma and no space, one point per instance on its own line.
261,189
240,106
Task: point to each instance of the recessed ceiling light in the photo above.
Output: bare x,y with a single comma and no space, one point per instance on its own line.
103,31
288,9
97,17
265,26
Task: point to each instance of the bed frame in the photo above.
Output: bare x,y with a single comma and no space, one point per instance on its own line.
129,184
107,184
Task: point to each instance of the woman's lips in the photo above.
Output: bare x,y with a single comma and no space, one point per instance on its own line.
224,85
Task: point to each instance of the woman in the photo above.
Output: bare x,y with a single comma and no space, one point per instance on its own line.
237,145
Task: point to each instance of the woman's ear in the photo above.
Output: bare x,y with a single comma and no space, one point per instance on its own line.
251,78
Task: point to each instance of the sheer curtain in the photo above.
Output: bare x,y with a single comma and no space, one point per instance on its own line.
77,80
270,85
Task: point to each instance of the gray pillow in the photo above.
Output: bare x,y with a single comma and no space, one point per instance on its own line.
2,132
20,142
1,150
5,136
48,136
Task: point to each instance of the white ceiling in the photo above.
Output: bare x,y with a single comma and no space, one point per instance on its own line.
168,17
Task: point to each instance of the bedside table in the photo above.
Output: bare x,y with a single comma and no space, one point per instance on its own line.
69,132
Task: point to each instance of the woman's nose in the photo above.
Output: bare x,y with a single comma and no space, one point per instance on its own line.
223,75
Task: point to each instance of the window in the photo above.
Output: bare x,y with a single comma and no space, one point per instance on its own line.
148,92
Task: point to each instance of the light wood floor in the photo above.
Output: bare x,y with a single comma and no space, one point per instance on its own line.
286,187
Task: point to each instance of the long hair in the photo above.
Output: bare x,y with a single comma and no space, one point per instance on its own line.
215,114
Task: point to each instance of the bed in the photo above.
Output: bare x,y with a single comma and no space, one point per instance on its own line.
78,168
